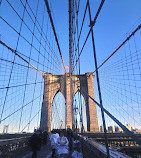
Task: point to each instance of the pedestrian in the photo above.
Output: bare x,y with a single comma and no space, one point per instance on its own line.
35,143
77,150
70,139
53,139
62,147
45,137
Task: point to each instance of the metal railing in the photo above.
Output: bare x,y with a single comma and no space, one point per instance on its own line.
91,148
11,147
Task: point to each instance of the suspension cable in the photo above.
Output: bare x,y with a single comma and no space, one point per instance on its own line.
127,39
54,31
15,52
91,26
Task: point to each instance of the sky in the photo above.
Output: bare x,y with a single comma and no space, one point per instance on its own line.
116,20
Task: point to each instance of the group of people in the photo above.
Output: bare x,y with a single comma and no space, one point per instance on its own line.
63,143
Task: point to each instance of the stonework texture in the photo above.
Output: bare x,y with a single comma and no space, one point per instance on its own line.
68,86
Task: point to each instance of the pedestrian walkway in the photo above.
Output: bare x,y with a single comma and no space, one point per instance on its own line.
45,152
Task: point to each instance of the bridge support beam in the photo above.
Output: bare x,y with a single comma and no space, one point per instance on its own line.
92,122
68,102
45,123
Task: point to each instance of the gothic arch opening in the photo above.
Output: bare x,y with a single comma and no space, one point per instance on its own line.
50,106
58,116
79,111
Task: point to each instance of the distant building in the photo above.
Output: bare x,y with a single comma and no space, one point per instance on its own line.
111,129
137,131
85,128
101,128
118,129
5,129
132,129
128,127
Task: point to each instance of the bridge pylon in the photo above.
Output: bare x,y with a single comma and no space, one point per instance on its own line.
55,83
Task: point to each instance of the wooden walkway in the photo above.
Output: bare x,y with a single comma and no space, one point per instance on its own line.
45,152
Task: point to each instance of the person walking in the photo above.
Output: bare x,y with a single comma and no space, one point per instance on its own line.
62,147
35,143
53,138
45,137
70,139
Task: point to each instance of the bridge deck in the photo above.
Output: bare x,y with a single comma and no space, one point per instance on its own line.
90,147
45,152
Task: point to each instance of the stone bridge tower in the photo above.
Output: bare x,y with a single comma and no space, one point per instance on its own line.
55,83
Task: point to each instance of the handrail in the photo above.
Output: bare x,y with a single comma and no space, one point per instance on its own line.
102,148
11,139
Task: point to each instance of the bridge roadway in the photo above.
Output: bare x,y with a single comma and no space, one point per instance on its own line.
109,135
45,152
13,148
117,139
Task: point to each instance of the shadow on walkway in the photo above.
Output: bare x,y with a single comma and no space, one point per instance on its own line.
45,152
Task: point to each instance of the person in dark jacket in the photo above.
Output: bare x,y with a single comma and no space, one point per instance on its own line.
35,143
70,139
45,137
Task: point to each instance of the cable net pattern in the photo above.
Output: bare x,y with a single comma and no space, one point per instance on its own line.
27,50
120,79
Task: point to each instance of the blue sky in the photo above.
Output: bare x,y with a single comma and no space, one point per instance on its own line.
115,20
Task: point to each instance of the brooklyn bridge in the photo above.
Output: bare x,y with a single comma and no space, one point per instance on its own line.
70,66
